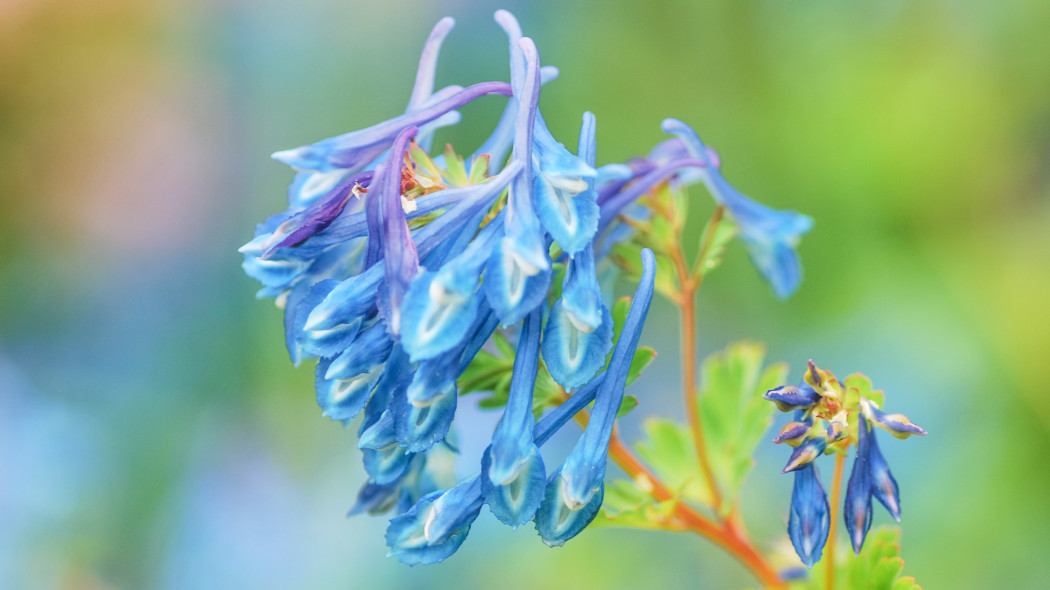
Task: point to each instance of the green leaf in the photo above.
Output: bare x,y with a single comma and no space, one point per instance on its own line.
680,202
879,565
490,372
732,409
546,394
629,403
504,345
643,355
627,505
557,278
457,174
876,568
711,258
627,255
662,236
862,384
619,314
479,167
668,448
906,583
666,282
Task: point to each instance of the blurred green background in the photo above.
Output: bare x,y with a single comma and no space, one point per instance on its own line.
154,435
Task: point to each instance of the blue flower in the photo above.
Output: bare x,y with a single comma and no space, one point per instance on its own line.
519,270
579,330
770,236
575,491
512,471
395,280
435,527
857,506
808,524
830,415
790,397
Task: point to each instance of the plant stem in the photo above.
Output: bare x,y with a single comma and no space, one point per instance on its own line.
836,489
686,305
723,534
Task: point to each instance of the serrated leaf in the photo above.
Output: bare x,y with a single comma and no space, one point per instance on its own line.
662,236
619,314
546,393
626,505
732,409
627,255
720,235
879,565
680,202
557,278
629,403
479,167
876,568
885,573
457,174
643,355
668,448
906,583
504,345
423,160
666,281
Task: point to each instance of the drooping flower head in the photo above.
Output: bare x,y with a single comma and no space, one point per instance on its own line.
831,417
398,269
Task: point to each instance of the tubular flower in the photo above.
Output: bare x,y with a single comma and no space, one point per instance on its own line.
831,416
769,235
396,267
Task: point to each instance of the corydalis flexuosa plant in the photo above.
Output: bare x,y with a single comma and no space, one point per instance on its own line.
417,275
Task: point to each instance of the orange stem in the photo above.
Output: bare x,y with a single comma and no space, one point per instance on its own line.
721,534
725,535
686,305
836,490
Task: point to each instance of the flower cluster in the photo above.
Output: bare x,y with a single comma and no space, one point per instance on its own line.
395,268
830,417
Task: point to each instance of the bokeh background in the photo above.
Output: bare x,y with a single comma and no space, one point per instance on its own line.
154,435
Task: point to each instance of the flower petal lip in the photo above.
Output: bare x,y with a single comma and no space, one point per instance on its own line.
513,474
440,306
444,532
436,526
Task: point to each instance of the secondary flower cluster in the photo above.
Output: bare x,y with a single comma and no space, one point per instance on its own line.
830,417
395,267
